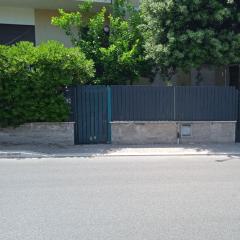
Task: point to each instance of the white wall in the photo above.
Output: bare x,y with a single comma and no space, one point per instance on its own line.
21,16
46,31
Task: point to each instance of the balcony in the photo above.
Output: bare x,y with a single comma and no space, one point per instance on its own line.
48,4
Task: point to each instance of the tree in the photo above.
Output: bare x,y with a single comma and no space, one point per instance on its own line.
112,41
185,34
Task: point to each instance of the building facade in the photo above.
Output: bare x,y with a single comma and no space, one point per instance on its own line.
30,20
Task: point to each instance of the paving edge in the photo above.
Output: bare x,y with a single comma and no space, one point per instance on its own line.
39,156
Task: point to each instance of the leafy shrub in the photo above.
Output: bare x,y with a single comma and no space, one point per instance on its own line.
32,80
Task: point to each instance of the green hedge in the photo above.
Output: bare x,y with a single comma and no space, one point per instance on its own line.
32,80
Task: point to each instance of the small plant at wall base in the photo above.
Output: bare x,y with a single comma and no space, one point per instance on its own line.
112,41
32,80
185,34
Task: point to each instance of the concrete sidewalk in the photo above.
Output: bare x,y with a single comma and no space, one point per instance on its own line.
61,151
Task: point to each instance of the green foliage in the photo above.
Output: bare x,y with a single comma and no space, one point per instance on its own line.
119,54
32,80
189,33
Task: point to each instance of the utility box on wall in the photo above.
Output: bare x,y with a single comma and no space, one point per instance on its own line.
186,130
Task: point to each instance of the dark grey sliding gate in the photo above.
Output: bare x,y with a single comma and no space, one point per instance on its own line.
151,103
206,103
92,114
142,103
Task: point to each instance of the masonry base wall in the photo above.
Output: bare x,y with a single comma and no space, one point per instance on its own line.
39,133
167,132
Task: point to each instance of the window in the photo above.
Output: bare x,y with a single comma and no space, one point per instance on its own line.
11,33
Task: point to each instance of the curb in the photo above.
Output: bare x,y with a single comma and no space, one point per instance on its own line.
40,156
21,155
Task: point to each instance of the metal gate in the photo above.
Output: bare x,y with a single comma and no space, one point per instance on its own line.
92,114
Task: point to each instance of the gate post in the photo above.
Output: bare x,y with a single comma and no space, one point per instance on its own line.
109,106
75,114
174,103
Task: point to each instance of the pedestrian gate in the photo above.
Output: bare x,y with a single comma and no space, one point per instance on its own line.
92,114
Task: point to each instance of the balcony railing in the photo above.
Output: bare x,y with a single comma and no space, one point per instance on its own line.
48,4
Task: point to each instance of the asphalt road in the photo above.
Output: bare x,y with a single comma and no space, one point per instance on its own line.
127,198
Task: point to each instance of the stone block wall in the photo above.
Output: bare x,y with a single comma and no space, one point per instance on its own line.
143,132
39,133
168,132
136,132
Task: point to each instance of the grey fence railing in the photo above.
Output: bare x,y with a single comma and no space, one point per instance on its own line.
151,103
